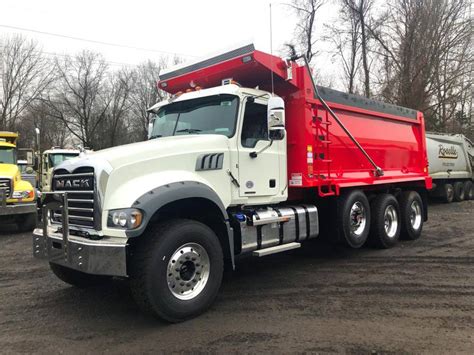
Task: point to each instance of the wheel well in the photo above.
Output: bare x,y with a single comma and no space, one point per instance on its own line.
201,210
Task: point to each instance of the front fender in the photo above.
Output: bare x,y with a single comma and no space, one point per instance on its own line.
153,200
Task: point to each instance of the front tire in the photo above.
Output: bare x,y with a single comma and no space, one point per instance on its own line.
176,270
354,218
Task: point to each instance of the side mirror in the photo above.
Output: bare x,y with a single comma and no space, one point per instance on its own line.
276,118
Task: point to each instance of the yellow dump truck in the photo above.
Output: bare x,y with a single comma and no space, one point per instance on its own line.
17,197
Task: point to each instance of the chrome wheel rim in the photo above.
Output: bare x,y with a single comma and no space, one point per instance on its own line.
391,221
358,218
415,215
449,192
188,271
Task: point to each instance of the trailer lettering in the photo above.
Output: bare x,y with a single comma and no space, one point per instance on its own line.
447,152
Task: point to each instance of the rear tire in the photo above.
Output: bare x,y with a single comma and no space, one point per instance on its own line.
468,190
448,193
386,222
354,218
77,278
27,222
458,191
412,215
176,269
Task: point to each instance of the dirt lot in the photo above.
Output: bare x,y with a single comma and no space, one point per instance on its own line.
416,297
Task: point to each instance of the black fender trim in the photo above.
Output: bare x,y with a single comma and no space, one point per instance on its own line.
155,199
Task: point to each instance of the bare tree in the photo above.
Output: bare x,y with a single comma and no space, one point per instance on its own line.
427,57
80,97
345,36
117,117
53,132
24,74
358,12
306,13
144,94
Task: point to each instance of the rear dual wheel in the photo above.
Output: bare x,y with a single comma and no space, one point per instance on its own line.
469,190
459,191
386,221
354,218
382,222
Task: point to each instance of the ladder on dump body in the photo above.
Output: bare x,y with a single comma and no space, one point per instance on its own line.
321,155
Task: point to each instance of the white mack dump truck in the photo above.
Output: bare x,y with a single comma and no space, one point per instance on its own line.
213,183
451,164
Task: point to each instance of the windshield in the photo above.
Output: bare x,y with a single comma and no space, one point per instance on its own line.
207,115
7,155
56,159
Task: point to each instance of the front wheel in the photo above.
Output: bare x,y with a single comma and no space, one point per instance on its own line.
176,269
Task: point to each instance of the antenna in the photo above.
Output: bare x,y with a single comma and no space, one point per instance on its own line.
271,48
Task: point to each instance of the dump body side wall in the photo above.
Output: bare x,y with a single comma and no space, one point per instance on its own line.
320,152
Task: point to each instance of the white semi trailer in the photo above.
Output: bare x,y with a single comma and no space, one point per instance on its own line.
451,162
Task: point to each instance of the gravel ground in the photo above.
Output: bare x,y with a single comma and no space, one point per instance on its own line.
416,297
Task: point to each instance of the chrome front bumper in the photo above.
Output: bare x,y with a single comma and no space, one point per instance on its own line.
107,256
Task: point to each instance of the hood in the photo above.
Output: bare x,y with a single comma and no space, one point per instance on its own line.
8,170
152,149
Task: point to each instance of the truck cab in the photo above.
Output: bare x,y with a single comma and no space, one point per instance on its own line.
237,118
17,196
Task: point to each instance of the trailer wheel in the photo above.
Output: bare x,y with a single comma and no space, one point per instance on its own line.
386,222
458,191
411,211
176,269
469,190
448,193
354,218
77,278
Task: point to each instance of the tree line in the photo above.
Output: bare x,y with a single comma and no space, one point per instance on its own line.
413,53
78,99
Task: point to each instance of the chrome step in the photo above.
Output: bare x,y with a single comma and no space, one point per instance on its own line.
276,249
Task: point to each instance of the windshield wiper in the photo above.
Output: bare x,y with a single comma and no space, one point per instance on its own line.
156,136
189,130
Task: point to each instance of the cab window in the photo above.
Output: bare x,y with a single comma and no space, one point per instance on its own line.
254,127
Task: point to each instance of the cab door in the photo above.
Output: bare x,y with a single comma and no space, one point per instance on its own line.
258,176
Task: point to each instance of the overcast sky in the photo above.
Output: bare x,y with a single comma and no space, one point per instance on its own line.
190,29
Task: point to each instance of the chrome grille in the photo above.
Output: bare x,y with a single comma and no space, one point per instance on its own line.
6,186
80,187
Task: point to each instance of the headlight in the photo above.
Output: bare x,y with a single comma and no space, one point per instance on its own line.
129,218
23,194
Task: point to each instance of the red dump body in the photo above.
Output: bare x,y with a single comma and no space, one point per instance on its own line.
320,154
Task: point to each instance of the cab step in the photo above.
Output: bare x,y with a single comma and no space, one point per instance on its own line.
276,249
